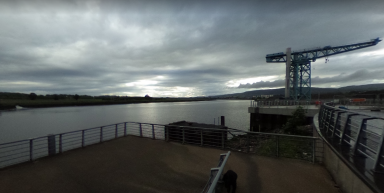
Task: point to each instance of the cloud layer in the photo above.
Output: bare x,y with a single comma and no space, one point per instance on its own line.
174,48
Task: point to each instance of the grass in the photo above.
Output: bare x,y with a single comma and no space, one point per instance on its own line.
289,147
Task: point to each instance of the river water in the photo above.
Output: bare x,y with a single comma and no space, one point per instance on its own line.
29,123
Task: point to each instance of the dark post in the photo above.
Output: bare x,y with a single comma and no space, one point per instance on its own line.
141,131
82,138
116,131
31,150
153,132
51,145
222,120
183,135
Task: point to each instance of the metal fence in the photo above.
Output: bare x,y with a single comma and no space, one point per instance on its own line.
280,103
356,135
269,144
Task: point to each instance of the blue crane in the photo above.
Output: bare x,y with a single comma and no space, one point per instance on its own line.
298,66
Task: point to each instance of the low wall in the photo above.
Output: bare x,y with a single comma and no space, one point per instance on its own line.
276,110
345,175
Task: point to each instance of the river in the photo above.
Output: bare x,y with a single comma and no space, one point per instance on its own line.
30,123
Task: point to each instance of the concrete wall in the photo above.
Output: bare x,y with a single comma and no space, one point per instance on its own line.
267,119
273,110
343,175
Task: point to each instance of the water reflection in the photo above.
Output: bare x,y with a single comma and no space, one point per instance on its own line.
23,124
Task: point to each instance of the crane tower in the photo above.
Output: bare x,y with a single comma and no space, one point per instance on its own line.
298,66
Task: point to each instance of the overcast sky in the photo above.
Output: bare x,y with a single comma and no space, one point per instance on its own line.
180,48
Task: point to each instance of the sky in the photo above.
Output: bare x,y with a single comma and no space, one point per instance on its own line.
181,48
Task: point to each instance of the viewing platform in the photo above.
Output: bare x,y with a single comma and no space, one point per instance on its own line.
134,164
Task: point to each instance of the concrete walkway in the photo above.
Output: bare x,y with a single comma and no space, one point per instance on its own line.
134,164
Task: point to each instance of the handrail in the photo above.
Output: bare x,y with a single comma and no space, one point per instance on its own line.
358,146
216,174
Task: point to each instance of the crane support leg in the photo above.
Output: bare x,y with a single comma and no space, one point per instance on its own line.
287,73
300,80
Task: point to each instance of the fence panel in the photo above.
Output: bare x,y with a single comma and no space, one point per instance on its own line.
238,140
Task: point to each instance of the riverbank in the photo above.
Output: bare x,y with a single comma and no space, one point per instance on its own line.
10,104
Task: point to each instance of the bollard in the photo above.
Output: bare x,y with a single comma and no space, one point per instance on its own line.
222,120
51,145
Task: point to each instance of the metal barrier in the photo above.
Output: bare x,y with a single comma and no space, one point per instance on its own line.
216,174
269,144
357,135
280,103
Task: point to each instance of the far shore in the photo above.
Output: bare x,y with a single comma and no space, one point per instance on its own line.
10,104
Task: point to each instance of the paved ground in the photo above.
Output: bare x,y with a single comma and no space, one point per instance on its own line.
134,164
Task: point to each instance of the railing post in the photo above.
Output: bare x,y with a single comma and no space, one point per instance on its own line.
167,132
31,150
141,131
125,129
201,137
116,133
277,146
313,150
329,120
349,117
222,140
358,133
337,120
82,138
183,135
247,142
380,153
153,132
51,142
61,143
101,134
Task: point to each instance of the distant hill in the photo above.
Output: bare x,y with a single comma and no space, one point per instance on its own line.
314,90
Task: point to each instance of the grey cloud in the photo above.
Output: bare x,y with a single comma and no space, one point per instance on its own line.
95,47
262,84
364,75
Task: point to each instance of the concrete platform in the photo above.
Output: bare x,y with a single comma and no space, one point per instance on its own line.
310,110
134,164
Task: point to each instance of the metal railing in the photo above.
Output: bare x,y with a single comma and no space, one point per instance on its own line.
269,144
280,103
357,135
215,175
